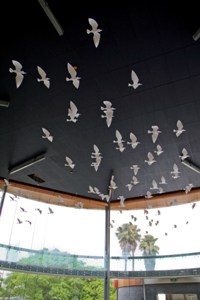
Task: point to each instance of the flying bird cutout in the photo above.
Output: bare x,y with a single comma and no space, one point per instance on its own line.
44,77
179,129
95,31
97,156
134,142
69,163
135,80
73,113
74,78
108,112
119,141
18,71
47,135
155,132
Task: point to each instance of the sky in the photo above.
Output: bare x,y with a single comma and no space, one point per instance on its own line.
82,231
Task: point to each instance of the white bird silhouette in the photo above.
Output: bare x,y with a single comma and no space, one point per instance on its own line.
184,154
155,132
154,185
151,159
73,113
97,156
108,112
129,186
95,31
135,169
69,163
74,78
135,80
79,205
148,195
47,135
112,185
134,142
119,141
122,199
158,150
44,77
175,173
135,180
179,129
19,72
91,190
163,180
188,188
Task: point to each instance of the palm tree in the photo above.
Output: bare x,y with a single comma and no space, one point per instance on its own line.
128,236
149,248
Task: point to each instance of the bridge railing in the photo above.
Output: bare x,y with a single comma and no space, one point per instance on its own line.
63,263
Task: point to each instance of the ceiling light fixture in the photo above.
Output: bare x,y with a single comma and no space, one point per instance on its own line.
4,103
191,166
27,164
51,16
196,35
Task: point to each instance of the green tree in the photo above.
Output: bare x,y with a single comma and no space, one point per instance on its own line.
44,287
149,248
128,236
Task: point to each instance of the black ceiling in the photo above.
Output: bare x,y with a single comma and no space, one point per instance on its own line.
152,38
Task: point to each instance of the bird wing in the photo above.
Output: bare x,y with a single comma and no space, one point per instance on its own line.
17,65
133,137
46,132
179,125
150,156
73,108
134,77
69,161
41,72
71,70
19,78
118,135
108,104
175,168
96,149
93,23
76,83
96,39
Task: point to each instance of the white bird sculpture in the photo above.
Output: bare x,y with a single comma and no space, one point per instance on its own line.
47,135
162,180
135,80
158,150
179,129
148,195
95,31
69,163
74,78
44,77
155,132
175,173
122,199
97,156
19,72
135,180
154,185
184,154
73,113
119,141
135,169
108,112
134,142
151,159
188,188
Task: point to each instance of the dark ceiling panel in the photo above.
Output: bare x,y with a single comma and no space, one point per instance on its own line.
154,40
